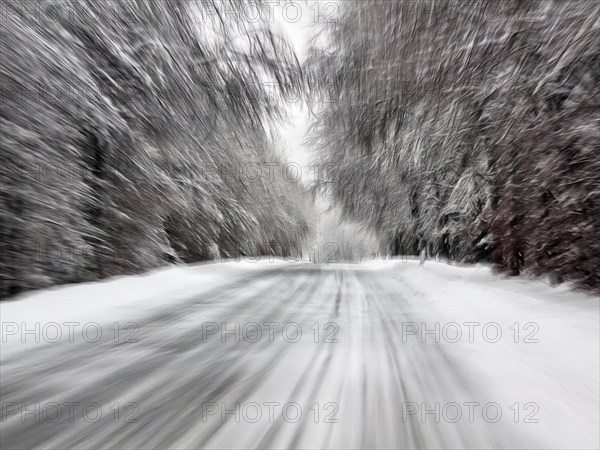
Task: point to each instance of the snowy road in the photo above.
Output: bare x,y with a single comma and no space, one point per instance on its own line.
308,356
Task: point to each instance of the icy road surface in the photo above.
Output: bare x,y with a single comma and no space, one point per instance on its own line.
385,355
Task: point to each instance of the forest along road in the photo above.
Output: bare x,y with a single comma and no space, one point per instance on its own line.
300,356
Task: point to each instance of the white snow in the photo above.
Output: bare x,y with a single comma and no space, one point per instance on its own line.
118,299
560,373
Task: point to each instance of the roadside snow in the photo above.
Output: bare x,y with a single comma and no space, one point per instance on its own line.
555,362
119,299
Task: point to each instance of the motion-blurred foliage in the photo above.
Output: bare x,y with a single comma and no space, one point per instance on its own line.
154,110
468,129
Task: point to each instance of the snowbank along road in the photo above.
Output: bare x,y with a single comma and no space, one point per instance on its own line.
386,355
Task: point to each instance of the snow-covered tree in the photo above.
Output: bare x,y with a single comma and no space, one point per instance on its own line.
126,128
467,130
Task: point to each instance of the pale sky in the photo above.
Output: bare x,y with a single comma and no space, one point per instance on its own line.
298,23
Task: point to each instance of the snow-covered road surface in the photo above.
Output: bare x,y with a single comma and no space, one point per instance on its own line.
383,355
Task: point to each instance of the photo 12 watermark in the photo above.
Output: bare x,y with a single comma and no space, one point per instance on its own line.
471,412
254,412
270,11
54,412
471,332
54,253
70,332
270,332
48,12
263,172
